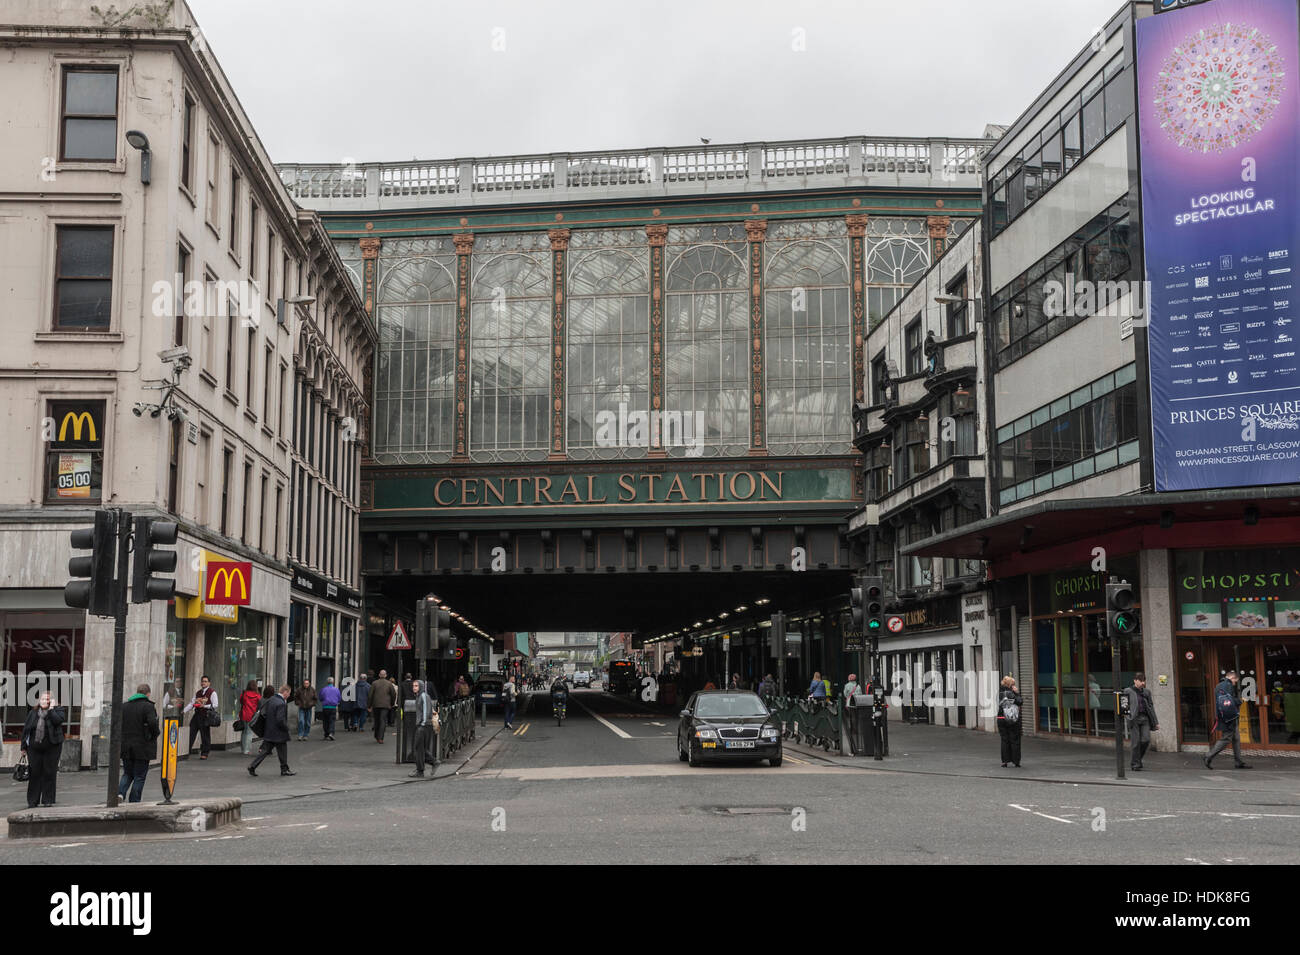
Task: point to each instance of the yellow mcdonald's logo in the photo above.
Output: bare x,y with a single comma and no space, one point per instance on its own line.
77,420
229,574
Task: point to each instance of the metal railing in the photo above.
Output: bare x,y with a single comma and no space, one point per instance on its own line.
574,176
811,722
457,726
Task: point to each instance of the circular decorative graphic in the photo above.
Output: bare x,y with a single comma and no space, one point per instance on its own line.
1219,87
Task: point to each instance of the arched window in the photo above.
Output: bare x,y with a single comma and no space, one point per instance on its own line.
894,265
608,362
415,384
706,347
809,347
510,343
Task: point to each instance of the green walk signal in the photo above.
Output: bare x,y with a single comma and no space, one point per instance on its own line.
1121,618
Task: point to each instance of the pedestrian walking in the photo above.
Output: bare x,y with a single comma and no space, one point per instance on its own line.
363,702
508,694
330,697
817,689
249,701
1227,710
305,699
274,730
1009,728
424,730
767,687
462,687
204,707
851,689
1141,718
139,742
42,743
383,697
348,706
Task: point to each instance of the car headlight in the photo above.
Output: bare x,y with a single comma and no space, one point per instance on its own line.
706,734
770,732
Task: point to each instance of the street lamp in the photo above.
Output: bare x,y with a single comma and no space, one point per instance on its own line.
138,140
282,313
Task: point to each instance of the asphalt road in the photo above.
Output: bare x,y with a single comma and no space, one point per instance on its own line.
607,787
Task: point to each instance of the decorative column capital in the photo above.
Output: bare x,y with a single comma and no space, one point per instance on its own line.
464,243
559,239
755,229
656,234
370,246
857,224
938,226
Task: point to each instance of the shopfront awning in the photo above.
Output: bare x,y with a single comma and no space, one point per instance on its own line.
1060,521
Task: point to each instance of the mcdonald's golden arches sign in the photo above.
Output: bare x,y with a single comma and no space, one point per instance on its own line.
229,583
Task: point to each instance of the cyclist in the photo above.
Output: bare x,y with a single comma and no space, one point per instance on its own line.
559,699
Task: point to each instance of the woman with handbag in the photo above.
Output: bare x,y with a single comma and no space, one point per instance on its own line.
249,701
42,743
206,715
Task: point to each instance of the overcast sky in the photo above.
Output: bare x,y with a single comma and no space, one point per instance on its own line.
370,80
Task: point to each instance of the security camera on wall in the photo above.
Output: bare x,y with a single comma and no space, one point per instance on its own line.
179,356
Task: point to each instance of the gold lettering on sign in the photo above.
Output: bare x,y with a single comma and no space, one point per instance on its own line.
570,488
752,485
768,483
676,488
498,493
437,489
625,486
591,491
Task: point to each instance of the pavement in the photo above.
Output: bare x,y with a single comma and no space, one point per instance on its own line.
956,751
350,762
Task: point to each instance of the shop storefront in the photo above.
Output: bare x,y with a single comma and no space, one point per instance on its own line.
930,664
324,620
1240,610
40,641
1074,686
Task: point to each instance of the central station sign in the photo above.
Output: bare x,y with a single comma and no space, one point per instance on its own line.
665,487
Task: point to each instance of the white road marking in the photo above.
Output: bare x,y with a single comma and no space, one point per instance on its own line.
604,722
218,838
68,845
292,825
1195,861
1068,822
319,828
653,723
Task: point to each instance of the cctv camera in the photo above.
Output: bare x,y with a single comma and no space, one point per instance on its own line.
178,354
137,411
155,412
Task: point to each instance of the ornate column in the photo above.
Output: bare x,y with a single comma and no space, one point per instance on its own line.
657,235
938,226
559,253
370,261
858,269
464,243
755,232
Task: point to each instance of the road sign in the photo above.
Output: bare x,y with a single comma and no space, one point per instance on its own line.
895,624
397,639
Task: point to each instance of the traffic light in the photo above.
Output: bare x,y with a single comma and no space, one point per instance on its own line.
442,638
423,640
778,635
94,594
1121,618
857,599
873,589
151,538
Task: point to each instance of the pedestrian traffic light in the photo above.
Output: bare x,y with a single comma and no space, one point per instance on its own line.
1121,618
873,589
95,593
152,538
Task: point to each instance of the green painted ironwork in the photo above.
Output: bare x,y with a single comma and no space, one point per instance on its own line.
457,726
811,722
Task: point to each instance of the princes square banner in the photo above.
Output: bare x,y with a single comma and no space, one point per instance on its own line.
1219,125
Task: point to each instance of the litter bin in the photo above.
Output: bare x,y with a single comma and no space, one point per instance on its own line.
406,732
860,725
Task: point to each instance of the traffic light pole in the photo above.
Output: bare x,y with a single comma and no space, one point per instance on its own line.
120,604
1119,728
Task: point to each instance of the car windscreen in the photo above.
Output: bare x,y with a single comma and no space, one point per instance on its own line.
729,704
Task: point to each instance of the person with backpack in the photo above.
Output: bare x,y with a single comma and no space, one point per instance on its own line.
249,701
1227,709
1009,728
817,689
1141,718
508,694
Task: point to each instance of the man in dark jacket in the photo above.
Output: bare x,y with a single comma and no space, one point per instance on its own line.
362,690
1010,705
139,741
383,697
1141,718
1227,706
275,735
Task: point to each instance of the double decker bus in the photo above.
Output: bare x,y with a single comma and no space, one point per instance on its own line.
622,677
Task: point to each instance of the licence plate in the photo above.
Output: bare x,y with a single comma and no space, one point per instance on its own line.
740,744
709,745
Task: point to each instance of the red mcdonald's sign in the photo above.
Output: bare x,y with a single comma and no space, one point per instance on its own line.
229,582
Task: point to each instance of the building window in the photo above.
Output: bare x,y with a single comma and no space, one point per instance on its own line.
808,354
959,312
912,349
174,465
227,462
250,369
279,499
261,520
231,312
212,207
89,120
254,227
879,372
266,386
233,238
280,398
270,256
917,434
204,476
877,473
609,340
74,455
245,534
83,280
510,339
957,424
182,277
187,144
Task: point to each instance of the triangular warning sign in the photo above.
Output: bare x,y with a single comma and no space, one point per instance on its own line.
398,640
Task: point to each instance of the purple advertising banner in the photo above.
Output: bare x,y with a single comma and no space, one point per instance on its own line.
1219,125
